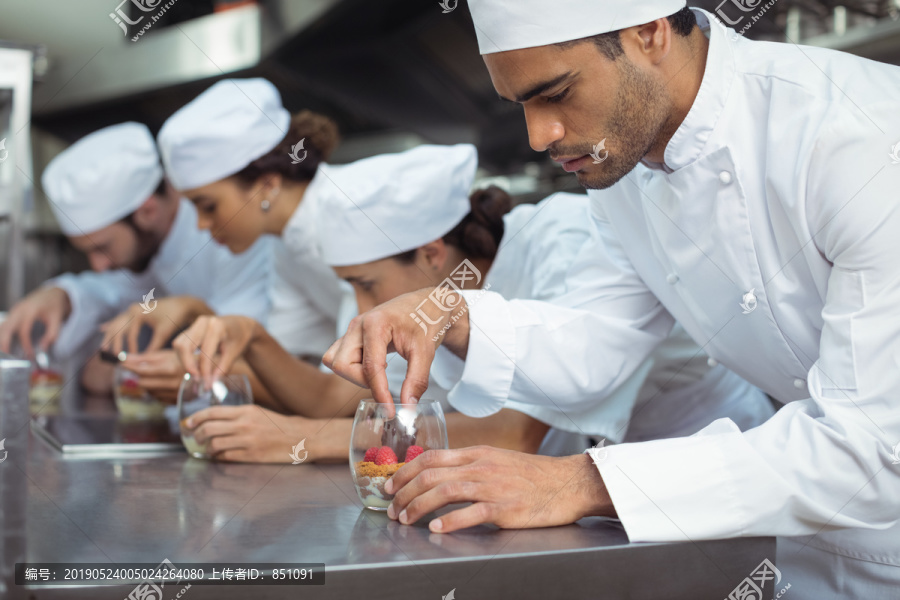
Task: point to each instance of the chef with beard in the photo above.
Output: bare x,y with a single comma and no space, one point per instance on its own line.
111,200
748,193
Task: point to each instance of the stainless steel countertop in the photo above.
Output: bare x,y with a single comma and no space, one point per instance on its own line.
188,510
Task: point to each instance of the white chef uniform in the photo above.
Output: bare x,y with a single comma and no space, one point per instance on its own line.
104,177
675,392
247,117
188,263
374,208
771,234
306,294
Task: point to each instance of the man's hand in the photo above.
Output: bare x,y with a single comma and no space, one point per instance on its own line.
221,341
407,325
509,489
169,315
160,373
48,304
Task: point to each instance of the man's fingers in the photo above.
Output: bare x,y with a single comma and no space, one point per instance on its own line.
416,382
423,473
375,339
24,335
469,516
6,333
327,358
345,355
53,324
448,492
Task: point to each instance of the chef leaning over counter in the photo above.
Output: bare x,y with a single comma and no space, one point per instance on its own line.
250,168
394,223
110,198
747,193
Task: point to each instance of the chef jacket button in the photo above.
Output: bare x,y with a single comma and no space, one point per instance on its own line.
725,177
712,362
799,383
672,279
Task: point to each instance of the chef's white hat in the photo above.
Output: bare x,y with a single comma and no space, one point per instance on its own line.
391,203
221,131
502,25
102,177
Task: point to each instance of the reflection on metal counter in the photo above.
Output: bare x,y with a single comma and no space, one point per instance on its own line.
106,437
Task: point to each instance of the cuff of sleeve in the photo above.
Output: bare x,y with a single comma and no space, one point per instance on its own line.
683,489
490,358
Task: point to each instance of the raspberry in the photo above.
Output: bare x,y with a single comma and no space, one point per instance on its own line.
385,456
370,454
413,452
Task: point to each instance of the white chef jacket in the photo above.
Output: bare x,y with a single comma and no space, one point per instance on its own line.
674,392
189,263
305,293
779,183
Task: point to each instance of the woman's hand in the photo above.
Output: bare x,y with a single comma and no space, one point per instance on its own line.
160,373
220,341
167,316
252,434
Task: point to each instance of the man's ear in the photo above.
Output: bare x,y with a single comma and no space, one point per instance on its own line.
148,213
652,41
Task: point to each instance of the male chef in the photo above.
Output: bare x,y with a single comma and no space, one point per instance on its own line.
110,198
745,189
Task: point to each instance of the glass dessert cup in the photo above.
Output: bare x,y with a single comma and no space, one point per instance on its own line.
194,396
379,446
45,390
132,401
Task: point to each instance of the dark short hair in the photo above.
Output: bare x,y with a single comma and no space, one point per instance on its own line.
610,44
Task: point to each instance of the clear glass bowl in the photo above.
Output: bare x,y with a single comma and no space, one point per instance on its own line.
379,445
134,402
193,396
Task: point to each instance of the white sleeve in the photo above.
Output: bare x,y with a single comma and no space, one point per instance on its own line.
570,353
95,298
819,464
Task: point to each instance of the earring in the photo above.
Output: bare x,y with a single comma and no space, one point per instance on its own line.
265,205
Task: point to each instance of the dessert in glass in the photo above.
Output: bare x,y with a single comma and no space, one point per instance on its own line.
379,445
46,387
134,402
194,395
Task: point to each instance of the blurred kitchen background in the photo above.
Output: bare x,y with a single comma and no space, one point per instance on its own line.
393,73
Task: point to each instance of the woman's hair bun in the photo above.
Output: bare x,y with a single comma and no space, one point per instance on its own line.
320,137
480,232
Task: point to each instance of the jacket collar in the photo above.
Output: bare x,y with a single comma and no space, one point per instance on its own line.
689,140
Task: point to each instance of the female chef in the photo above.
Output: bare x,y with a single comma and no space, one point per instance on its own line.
247,164
396,223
